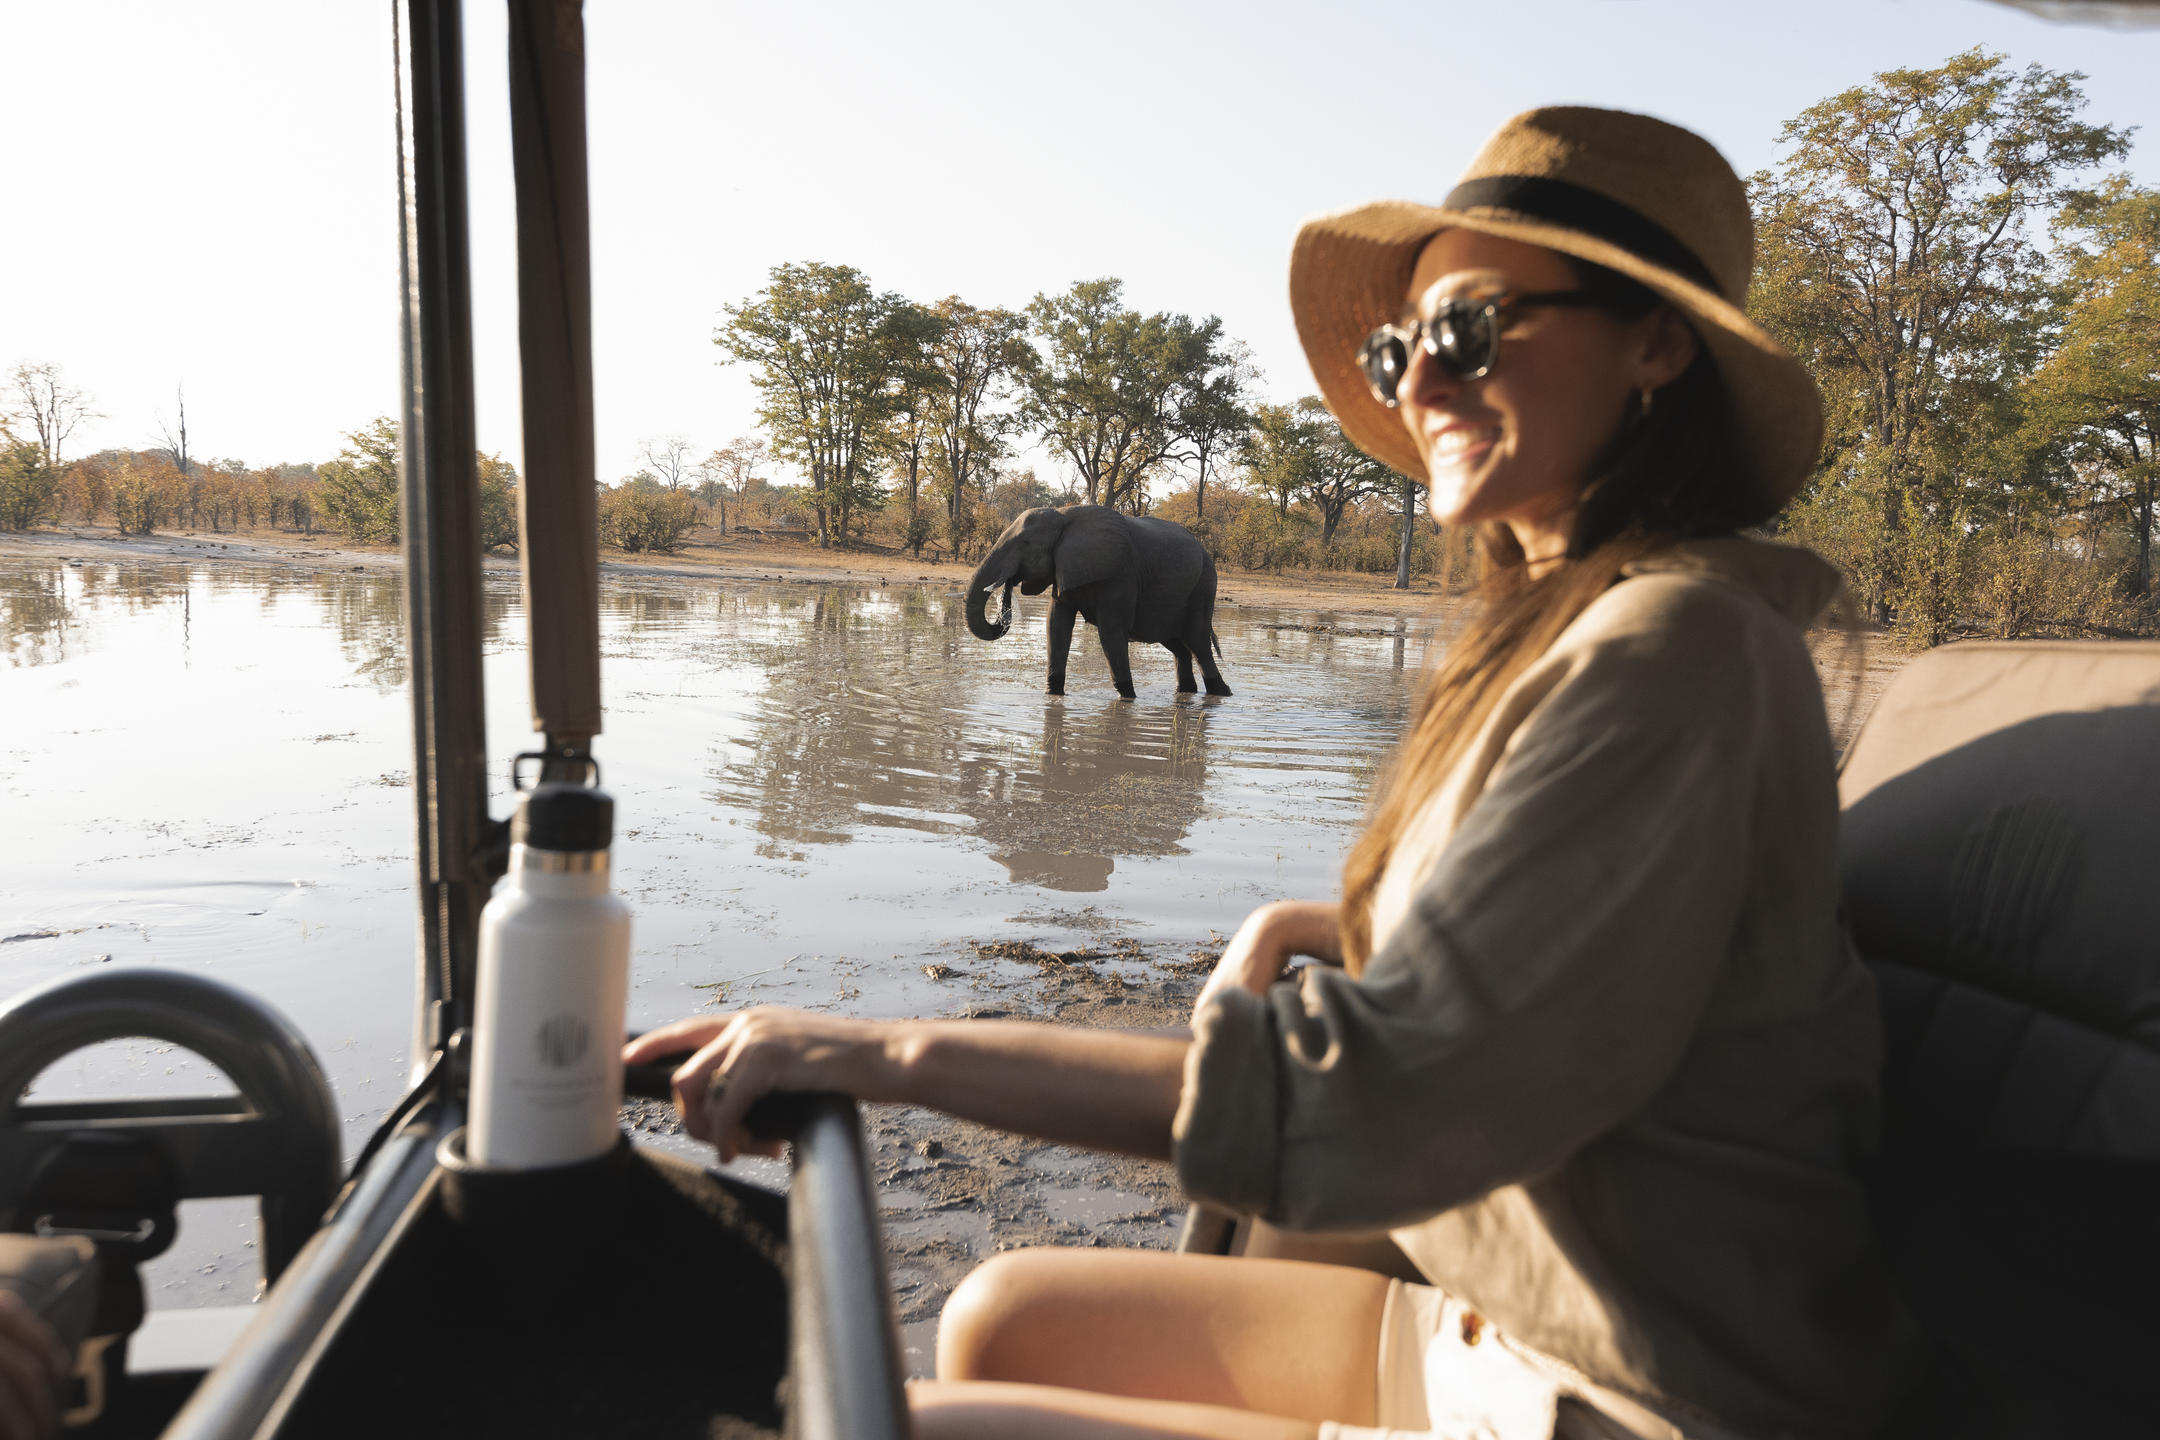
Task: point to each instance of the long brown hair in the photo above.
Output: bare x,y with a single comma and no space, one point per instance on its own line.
1675,473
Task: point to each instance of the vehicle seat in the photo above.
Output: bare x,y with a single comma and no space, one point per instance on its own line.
2001,865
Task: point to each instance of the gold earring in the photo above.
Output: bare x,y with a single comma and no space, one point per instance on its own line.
1647,395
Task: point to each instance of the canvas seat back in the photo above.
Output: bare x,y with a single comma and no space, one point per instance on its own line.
2001,863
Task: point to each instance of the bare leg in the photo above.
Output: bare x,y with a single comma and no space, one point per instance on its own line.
996,1410
1275,1337
1185,683
1061,623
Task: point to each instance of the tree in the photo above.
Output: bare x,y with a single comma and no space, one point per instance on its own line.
176,440
828,353
498,503
1894,257
360,487
974,356
27,483
50,406
2098,394
1340,474
1108,387
1281,454
668,458
1215,415
732,467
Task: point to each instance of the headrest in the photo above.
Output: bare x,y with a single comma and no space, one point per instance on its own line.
2002,827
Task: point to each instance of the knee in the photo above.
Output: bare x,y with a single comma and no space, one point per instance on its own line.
997,1316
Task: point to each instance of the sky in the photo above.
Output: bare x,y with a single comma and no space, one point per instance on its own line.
204,195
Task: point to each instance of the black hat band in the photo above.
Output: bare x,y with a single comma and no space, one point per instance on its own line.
1586,211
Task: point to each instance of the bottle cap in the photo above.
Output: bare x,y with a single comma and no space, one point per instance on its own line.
572,818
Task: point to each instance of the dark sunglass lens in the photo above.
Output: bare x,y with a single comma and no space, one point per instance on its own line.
1384,359
1460,336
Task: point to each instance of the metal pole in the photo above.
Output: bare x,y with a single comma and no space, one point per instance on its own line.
440,508
557,511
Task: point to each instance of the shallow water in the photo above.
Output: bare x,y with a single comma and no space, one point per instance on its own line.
821,788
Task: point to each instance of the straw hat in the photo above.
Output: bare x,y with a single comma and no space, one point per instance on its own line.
1648,199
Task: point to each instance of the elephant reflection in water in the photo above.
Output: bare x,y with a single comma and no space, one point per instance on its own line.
865,721
1104,784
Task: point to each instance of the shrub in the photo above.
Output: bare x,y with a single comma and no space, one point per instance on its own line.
27,486
634,519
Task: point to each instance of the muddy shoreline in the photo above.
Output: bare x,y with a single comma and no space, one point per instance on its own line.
709,556
951,1193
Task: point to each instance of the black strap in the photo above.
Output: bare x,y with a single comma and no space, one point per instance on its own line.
1562,203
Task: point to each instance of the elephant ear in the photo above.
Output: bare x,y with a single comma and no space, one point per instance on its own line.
1094,548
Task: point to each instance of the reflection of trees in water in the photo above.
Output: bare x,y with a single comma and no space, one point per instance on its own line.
644,607
35,617
867,720
366,609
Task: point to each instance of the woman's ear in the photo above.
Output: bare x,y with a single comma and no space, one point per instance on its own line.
1664,348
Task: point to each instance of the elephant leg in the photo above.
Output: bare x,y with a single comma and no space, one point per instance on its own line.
1202,644
1183,652
1113,649
1061,626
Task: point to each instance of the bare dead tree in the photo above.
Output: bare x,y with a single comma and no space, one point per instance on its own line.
177,444
52,406
668,457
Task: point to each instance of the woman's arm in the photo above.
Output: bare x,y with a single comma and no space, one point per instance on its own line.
1101,1089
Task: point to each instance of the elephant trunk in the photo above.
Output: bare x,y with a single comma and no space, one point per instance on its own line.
996,570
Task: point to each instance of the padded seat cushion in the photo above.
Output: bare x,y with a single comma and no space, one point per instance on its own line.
2001,851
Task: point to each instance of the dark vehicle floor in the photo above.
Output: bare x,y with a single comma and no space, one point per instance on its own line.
648,1300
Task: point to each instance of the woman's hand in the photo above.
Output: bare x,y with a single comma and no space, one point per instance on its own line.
1261,950
742,1058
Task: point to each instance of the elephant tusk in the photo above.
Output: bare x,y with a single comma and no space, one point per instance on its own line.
1004,617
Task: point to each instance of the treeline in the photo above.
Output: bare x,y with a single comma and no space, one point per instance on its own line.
1956,252
1977,289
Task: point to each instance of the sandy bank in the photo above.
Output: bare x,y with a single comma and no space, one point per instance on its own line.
710,555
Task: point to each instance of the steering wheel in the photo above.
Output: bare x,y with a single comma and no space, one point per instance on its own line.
113,1169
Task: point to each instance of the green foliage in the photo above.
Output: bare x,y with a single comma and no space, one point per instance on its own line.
1962,365
637,517
831,356
1116,393
498,503
27,484
360,487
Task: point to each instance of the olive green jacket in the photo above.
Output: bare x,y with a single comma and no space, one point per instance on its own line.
1611,1070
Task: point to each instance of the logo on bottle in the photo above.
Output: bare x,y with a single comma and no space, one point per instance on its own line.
562,1040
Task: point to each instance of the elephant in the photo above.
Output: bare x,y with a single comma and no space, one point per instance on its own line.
1132,577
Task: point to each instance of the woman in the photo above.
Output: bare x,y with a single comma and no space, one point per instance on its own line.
1586,1041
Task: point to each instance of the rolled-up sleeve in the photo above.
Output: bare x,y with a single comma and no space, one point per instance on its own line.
1547,981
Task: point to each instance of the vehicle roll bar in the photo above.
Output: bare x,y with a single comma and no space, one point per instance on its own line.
558,507
845,1379
439,499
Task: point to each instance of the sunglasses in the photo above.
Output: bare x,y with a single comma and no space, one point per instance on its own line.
1463,336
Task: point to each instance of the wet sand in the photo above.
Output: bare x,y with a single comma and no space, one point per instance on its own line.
953,1194
730,557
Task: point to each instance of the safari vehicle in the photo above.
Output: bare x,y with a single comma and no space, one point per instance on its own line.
1998,835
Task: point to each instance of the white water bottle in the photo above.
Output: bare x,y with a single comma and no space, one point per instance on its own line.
554,971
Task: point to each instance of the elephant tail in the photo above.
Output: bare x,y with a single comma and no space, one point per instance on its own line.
1215,640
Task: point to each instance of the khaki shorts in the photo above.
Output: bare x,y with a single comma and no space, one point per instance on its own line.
1445,1373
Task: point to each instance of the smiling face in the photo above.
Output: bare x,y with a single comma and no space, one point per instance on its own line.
1517,446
